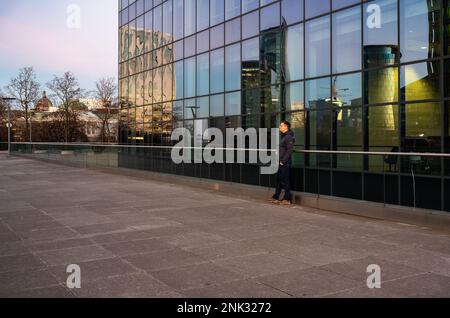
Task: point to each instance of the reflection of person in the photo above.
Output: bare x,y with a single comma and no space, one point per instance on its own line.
284,171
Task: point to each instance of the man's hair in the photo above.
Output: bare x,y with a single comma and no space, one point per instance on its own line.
288,124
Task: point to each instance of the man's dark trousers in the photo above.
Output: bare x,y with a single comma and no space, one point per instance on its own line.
283,183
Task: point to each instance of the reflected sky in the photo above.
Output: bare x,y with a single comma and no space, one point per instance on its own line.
35,33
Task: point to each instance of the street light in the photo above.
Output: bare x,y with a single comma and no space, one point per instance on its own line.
7,100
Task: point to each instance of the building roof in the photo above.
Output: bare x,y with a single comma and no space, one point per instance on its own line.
44,104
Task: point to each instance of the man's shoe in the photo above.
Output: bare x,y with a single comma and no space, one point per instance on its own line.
285,202
274,201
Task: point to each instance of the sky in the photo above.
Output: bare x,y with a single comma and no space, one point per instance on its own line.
55,36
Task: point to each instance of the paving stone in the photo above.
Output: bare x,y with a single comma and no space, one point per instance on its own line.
48,292
130,243
261,264
16,281
58,244
169,259
95,270
239,289
137,247
19,262
74,255
128,286
200,275
311,282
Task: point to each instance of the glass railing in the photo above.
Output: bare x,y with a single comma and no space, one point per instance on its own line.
419,180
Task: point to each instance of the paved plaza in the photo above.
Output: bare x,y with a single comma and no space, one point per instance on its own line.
135,237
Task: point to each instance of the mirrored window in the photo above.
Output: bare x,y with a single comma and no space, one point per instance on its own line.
217,71
381,27
420,36
233,67
421,81
347,40
315,8
318,47
294,97
294,53
291,11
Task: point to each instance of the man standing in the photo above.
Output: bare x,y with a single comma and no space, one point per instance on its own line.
284,171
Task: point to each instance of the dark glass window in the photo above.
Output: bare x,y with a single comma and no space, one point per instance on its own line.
250,63
270,55
447,26
349,136
447,77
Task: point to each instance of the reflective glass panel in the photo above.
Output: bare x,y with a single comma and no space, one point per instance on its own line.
347,40
318,47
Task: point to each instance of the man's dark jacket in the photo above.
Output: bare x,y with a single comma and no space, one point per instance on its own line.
287,147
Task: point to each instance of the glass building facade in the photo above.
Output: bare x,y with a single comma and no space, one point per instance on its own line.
350,75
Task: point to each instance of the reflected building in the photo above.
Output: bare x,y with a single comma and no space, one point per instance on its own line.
345,81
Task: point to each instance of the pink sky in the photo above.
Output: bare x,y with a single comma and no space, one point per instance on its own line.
35,33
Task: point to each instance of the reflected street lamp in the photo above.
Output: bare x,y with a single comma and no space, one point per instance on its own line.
7,100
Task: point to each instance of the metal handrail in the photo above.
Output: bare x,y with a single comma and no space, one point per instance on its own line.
400,154
330,152
136,146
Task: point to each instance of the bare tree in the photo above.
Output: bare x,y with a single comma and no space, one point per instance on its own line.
106,90
67,91
25,89
2,107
